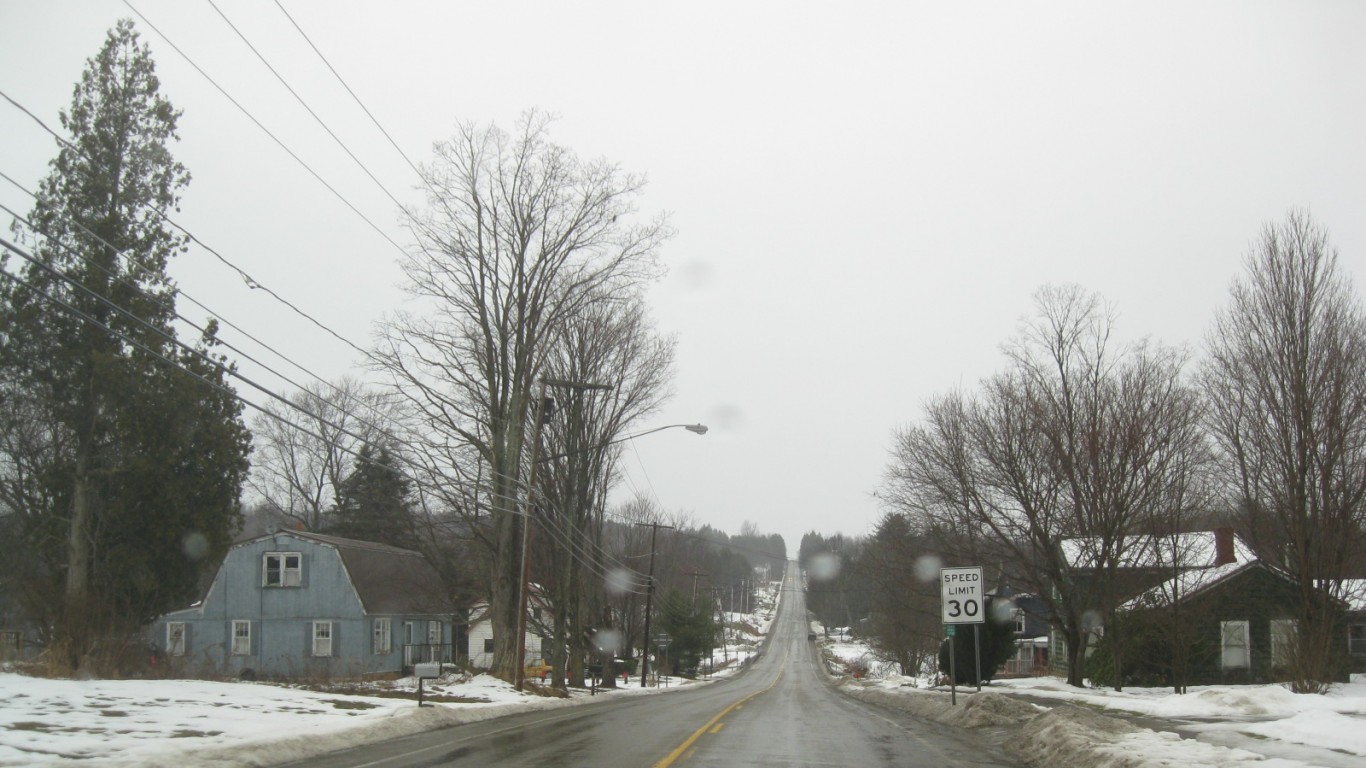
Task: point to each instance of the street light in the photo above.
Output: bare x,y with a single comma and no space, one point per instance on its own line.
536,461
697,429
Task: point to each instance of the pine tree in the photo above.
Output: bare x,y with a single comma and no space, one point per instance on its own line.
374,502
998,643
125,466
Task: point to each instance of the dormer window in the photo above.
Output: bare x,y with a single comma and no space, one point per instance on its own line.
283,569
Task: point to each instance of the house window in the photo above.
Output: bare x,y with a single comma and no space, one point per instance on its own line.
175,638
322,638
383,637
488,645
1017,617
433,633
283,569
1234,644
1282,642
9,643
1356,638
241,638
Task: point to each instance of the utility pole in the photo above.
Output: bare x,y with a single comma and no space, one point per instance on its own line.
545,408
649,598
694,575
519,680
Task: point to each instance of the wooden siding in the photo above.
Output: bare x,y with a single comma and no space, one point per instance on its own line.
282,618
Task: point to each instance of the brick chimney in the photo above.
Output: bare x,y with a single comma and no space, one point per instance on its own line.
1223,546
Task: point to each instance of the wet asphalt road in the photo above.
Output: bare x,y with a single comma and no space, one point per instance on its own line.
779,712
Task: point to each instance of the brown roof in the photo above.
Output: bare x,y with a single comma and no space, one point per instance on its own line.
388,579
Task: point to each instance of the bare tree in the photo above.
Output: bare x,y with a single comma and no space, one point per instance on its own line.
302,454
519,237
1078,441
1286,379
609,343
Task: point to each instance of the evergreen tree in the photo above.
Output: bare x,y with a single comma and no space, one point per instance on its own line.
374,502
124,452
691,630
998,644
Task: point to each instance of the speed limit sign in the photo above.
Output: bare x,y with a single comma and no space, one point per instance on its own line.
962,595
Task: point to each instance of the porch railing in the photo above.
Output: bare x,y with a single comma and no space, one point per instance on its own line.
422,653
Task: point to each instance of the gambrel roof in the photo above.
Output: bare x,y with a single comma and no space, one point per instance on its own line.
387,579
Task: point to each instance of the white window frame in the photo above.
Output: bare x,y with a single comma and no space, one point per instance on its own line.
1235,644
382,636
433,633
1356,638
241,637
1283,633
284,574
175,638
323,638
1017,616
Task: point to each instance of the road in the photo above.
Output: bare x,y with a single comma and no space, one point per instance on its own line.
779,712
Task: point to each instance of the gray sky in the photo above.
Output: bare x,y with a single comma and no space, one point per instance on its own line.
866,194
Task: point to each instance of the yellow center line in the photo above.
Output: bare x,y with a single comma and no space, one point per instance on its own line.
674,755
718,728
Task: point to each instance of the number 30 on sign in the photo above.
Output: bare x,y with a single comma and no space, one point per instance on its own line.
961,595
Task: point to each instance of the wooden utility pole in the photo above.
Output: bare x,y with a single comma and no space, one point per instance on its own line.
649,599
544,410
695,575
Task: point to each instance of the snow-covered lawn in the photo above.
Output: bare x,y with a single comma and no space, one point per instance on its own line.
1235,724
160,722
175,723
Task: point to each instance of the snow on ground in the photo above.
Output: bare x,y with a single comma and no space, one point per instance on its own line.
174,723
1234,725
158,722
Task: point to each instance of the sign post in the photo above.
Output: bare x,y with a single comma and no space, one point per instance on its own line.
962,601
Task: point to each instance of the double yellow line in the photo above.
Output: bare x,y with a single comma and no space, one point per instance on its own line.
687,744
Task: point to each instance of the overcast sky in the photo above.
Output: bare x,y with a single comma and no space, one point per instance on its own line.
866,195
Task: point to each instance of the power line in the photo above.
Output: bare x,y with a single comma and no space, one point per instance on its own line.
266,130
583,555
246,278
359,103
305,105
229,370
170,307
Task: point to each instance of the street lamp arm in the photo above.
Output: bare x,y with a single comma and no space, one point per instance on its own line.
697,429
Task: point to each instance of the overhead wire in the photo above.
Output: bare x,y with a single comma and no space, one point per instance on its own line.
579,552
241,273
266,130
344,84
305,105
170,306
584,555
170,337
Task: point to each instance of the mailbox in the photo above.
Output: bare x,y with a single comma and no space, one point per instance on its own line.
428,670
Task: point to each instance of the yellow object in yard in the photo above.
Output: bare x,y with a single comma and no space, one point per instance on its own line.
538,669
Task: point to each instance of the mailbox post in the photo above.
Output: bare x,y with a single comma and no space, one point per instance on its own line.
425,671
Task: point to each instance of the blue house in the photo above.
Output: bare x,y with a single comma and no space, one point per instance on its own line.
295,604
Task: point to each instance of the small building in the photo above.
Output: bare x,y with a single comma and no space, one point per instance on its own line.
1145,563
538,631
1029,627
1354,591
293,604
1234,623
